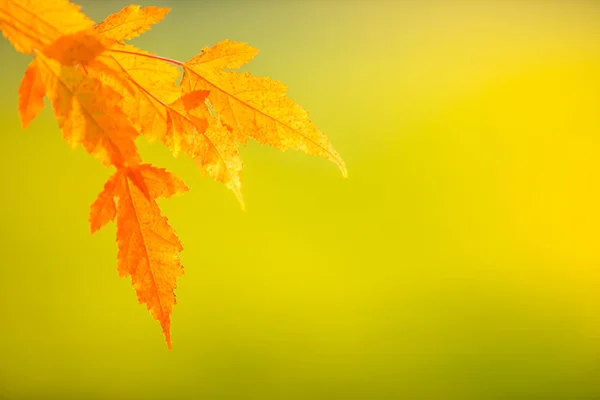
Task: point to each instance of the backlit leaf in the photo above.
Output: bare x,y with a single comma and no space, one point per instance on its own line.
254,107
148,248
31,94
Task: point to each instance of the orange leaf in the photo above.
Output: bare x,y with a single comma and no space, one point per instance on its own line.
31,94
254,107
130,22
34,24
148,248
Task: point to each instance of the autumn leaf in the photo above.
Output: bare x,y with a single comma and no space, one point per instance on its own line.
254,107
31,94
105,93
148,248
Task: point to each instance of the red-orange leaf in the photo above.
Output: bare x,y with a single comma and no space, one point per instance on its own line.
31,94
148,248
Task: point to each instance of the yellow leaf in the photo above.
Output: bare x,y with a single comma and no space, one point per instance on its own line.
130,22
254,107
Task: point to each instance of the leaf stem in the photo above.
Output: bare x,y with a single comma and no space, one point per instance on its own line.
165,59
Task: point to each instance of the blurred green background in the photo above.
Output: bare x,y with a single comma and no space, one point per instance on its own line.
460,260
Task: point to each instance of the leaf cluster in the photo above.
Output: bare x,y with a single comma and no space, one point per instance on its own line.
105,93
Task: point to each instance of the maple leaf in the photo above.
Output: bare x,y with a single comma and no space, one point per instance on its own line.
254,107
148,248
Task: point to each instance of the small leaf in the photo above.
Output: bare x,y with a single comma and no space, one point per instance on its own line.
31,94
104,208
77,48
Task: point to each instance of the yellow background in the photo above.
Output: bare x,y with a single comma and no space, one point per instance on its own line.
459,260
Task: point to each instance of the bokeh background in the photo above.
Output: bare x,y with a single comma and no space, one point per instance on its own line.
459,260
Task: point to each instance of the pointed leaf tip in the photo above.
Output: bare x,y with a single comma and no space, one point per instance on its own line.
104,209
344,172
